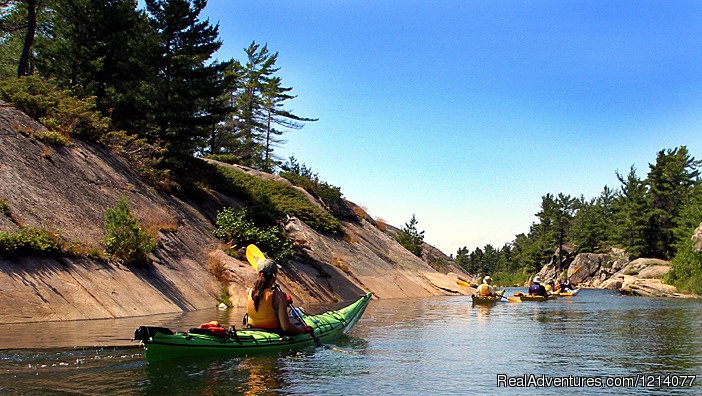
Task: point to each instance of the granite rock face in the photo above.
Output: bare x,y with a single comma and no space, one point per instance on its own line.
67,189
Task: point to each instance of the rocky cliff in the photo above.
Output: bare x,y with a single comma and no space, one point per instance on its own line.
67,189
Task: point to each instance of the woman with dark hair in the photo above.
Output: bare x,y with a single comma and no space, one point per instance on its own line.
267,305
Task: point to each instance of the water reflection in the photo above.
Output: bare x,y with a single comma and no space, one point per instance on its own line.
426,346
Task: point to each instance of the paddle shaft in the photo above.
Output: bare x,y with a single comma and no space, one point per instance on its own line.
296,315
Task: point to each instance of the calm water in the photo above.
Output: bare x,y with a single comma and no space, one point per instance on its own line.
427,346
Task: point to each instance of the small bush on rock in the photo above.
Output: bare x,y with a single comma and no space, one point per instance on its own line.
234,226
29,240
125,239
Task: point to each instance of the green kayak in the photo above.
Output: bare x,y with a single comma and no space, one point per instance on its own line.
161,343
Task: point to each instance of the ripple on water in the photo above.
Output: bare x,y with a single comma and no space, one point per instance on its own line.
426,346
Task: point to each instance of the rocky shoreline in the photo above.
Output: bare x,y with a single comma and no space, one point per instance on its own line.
614,270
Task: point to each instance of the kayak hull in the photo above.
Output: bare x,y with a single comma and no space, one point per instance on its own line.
327,326
487,300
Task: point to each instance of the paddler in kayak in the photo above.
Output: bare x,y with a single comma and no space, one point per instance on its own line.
267,305
485,289
566,286
537,289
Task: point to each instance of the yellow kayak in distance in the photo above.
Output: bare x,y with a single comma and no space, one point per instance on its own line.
526,297
484,300
570,293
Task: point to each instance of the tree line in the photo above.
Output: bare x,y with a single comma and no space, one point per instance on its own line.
652,217
151,71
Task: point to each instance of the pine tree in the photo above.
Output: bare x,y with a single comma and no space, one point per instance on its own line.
188,92
463,258
410,237
490,259
671,180
273,97
258,118
632,210
20,22
103,49
587,231
605,206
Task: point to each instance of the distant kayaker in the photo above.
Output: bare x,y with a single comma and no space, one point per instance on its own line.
485,289
566,286
537,289
267,305
550,285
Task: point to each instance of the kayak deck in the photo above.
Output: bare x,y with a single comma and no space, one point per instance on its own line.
162,344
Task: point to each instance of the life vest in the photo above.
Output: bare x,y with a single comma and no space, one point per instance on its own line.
483,289
210,328
265,317
537,290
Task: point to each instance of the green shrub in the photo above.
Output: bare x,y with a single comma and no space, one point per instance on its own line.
234,226
28,240
686,267
51,137
224,296
4,209
330,195
227,158
686,271
125,239
57,109
270,200
302,176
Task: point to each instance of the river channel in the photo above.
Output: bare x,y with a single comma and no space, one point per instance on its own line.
420,346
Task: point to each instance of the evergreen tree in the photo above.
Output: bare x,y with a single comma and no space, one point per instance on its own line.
477,260
463,258
588,227
20,22
605,207
632,213
671,180
188,91
276,116
258,118
490,259
103,49
410,237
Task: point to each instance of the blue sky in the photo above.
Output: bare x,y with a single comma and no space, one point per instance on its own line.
465,113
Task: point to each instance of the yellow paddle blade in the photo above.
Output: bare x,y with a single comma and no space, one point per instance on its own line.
462,283
254,256
513,300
